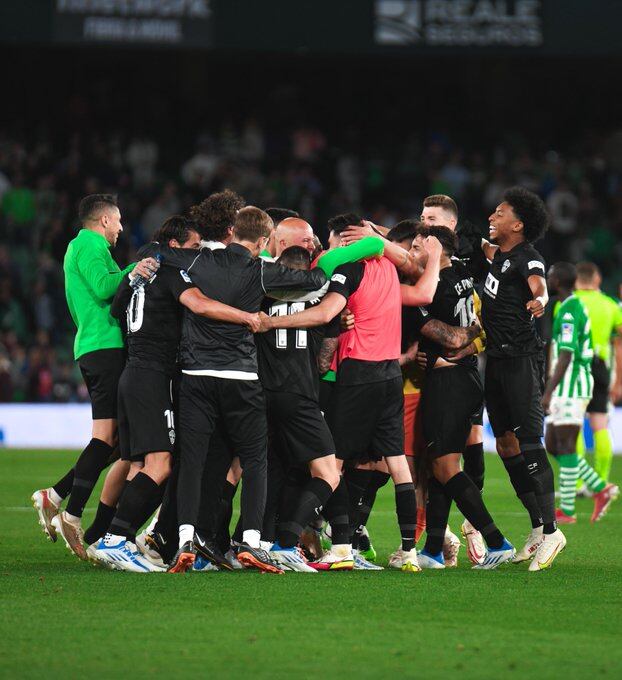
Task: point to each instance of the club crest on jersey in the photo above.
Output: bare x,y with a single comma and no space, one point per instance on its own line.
505,266
171,436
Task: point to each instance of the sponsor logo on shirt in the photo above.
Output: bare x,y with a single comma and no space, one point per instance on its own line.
491,287
535,264
505,266
339,278
184,276
567,332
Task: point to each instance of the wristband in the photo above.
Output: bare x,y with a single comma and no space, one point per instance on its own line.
540,299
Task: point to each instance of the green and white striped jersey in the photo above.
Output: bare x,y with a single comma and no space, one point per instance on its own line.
572,333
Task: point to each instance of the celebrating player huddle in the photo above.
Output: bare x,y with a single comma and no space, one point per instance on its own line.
255,356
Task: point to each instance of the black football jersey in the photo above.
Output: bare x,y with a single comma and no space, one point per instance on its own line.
510,328
153,317
287,357
453,304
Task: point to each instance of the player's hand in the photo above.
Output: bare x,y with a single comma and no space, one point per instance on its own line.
433,247
546,403
265,323
254,323
457,354
409,355
347,320
422,359
535,307
146,268
356,232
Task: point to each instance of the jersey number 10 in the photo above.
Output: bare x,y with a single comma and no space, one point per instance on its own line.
465,311
285,309
136,310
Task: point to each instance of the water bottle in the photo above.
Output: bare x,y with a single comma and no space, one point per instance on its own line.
139,281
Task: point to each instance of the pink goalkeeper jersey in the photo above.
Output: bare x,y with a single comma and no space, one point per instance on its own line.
377,308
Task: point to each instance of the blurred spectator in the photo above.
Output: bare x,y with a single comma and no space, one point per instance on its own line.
564,208
142,156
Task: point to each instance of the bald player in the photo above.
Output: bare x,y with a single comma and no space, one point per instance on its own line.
293,231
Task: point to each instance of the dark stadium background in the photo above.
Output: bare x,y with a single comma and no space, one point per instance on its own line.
295,104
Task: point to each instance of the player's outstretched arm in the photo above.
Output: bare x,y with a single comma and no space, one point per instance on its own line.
367,247
283,283
319,315
95,270
537,286
451,337
563,361
422,293
196,302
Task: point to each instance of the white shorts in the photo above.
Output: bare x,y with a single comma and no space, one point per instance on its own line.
567,411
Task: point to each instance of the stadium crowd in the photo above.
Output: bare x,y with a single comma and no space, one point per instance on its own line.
42,178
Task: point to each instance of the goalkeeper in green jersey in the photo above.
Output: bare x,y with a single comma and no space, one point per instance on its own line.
606,323
91,281
567,394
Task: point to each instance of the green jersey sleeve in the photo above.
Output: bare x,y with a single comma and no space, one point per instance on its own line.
95,266
370,246
567,325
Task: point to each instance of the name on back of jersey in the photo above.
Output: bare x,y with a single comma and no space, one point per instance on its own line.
462,286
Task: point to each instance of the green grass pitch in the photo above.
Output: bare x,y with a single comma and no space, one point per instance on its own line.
65,618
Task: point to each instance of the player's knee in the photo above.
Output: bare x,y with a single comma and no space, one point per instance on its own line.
445,468
507,446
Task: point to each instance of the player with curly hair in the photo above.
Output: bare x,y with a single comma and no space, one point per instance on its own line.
515,293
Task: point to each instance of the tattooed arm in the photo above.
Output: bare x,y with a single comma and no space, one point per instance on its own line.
327,351
452,337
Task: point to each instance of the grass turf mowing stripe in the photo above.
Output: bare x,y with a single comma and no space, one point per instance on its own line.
61,616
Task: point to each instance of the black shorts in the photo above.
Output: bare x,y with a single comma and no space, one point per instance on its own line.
297,427
450,399
327,391
513,393
101,371
478,417
146,417
602,379
367,421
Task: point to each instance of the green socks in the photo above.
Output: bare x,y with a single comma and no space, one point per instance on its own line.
590,476
568,475
603,453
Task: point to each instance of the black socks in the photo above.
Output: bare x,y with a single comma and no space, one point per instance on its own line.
100,524
470,503
518,471
311,501
135,506
406,509
436,516
336,512
63,486
93,460
357,482
543,479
